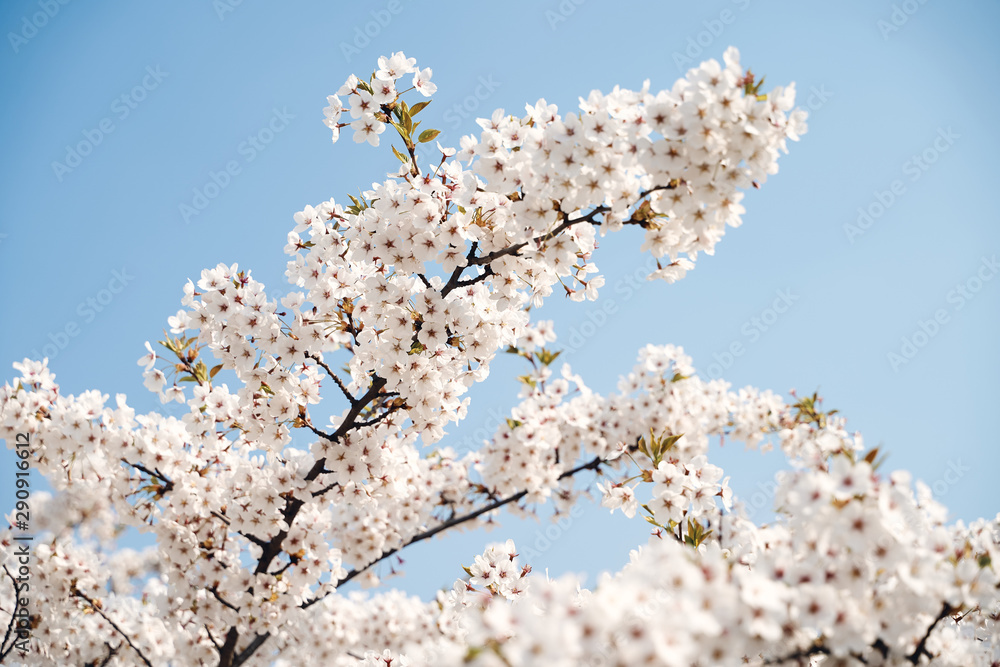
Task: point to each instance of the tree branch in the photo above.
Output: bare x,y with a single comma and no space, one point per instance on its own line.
593,464
13,619
168,485
799,655
293,505
214,590
457,273
273,547
81,594
251,648
377,419
112,652
472,260
228,656
259,640
921,649
333,376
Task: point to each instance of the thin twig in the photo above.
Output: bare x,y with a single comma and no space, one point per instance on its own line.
13,618
377,419
451,523
114,625
168,484
334,376
921,649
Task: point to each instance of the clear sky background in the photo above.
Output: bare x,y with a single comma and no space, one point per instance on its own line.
886,83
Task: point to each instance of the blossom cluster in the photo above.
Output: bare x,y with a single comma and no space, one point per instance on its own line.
309,445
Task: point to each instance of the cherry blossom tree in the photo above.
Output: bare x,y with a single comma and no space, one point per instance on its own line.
314,443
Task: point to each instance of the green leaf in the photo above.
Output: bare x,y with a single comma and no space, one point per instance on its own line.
402,158
418,107
669,442
547,357
402,130
642,448
215,371
428,135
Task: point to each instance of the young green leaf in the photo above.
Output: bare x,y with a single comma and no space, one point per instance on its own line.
428,135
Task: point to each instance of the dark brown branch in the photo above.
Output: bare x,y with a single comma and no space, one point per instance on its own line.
208,631
477,279
799,655
333,376
375,420
253,538
293,505
273,548
593,464
13,619
914,658
270,551
215,591
921,649
112,652
227,654
322,434
250,649
114,625
259,640
167,484
457,273
317,494
542,238
472,260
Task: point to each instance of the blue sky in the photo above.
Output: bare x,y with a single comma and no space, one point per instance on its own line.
880,226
